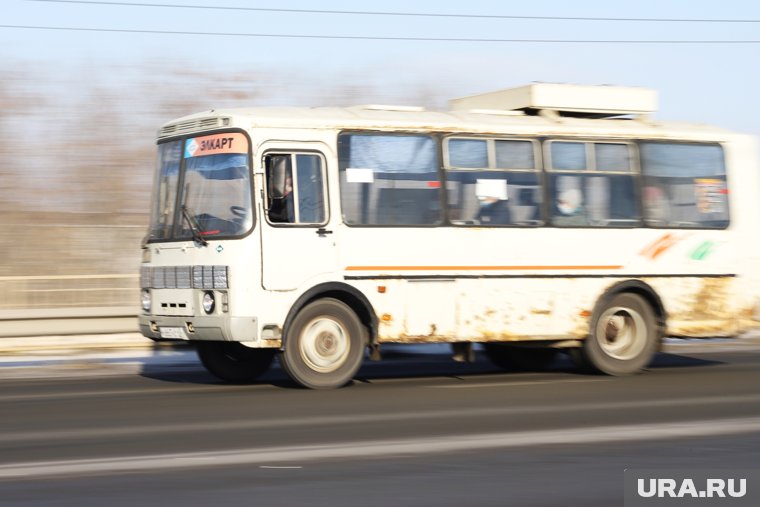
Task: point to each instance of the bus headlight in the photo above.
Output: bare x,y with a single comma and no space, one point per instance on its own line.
208,302
145,299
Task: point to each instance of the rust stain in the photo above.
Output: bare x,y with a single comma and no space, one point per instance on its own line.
582,325
273,343
711,299
707,312
406,338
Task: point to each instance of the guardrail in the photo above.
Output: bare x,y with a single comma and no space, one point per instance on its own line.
48,322
68,304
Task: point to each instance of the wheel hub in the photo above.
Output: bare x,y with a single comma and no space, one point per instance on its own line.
621,333
324,345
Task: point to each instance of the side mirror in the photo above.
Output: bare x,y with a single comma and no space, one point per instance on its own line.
277,168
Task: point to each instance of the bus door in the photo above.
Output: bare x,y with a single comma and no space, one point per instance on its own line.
297,237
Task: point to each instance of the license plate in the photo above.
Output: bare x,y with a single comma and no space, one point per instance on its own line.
174,333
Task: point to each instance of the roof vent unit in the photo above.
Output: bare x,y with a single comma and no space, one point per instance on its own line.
385,107
565,100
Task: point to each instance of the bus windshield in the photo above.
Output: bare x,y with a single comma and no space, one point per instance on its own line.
206,190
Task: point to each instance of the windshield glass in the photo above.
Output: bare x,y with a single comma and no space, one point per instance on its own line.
215,197
165,190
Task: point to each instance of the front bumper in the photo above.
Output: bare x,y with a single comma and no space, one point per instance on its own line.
207,328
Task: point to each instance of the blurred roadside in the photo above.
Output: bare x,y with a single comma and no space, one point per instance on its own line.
48,346
36,357
78,157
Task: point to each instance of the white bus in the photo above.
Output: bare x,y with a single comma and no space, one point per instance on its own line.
533,221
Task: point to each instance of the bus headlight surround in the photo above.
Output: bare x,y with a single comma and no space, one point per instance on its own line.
208,302
145,300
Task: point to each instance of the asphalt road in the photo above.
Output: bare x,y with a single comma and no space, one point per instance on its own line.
412,431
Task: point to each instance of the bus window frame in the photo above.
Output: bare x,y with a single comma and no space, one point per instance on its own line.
293,153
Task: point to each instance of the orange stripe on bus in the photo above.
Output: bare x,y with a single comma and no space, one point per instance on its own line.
479,268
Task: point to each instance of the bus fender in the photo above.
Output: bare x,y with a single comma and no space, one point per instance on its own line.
349,295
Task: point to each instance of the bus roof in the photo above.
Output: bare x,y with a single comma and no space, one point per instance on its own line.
534,110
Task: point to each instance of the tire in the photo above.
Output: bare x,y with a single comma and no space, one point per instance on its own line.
234,362
518,358
623,338
324,345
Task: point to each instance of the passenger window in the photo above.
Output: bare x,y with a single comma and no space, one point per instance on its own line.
684,185
389,179
612,157
568,156
295,189
593,185
502,189
468,153
514,154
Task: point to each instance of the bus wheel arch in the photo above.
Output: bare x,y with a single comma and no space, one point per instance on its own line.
344,293
325,336
625,330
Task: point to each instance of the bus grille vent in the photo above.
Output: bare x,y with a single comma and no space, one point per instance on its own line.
185,127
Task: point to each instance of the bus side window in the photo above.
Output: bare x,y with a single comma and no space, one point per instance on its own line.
310,186
593,184
492,182
684,185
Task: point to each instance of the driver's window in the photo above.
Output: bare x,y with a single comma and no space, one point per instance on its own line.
295,188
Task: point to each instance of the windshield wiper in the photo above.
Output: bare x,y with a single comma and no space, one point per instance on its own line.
194,227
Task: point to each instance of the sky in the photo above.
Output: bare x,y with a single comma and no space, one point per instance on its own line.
714,83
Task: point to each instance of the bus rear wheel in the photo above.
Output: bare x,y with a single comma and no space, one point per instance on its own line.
324,345
517,358
233,361
624,336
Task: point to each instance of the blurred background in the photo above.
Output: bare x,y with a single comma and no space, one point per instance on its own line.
84,86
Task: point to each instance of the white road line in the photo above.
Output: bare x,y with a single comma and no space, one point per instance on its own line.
379,448
146,391
61,435
513,384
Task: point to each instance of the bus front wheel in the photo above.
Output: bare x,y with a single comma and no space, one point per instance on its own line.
233,361
324,345
624,336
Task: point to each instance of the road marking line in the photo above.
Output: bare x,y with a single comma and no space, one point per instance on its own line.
511,384
146,391
381,448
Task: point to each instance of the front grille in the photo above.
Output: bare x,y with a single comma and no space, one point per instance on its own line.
189,126
184,277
